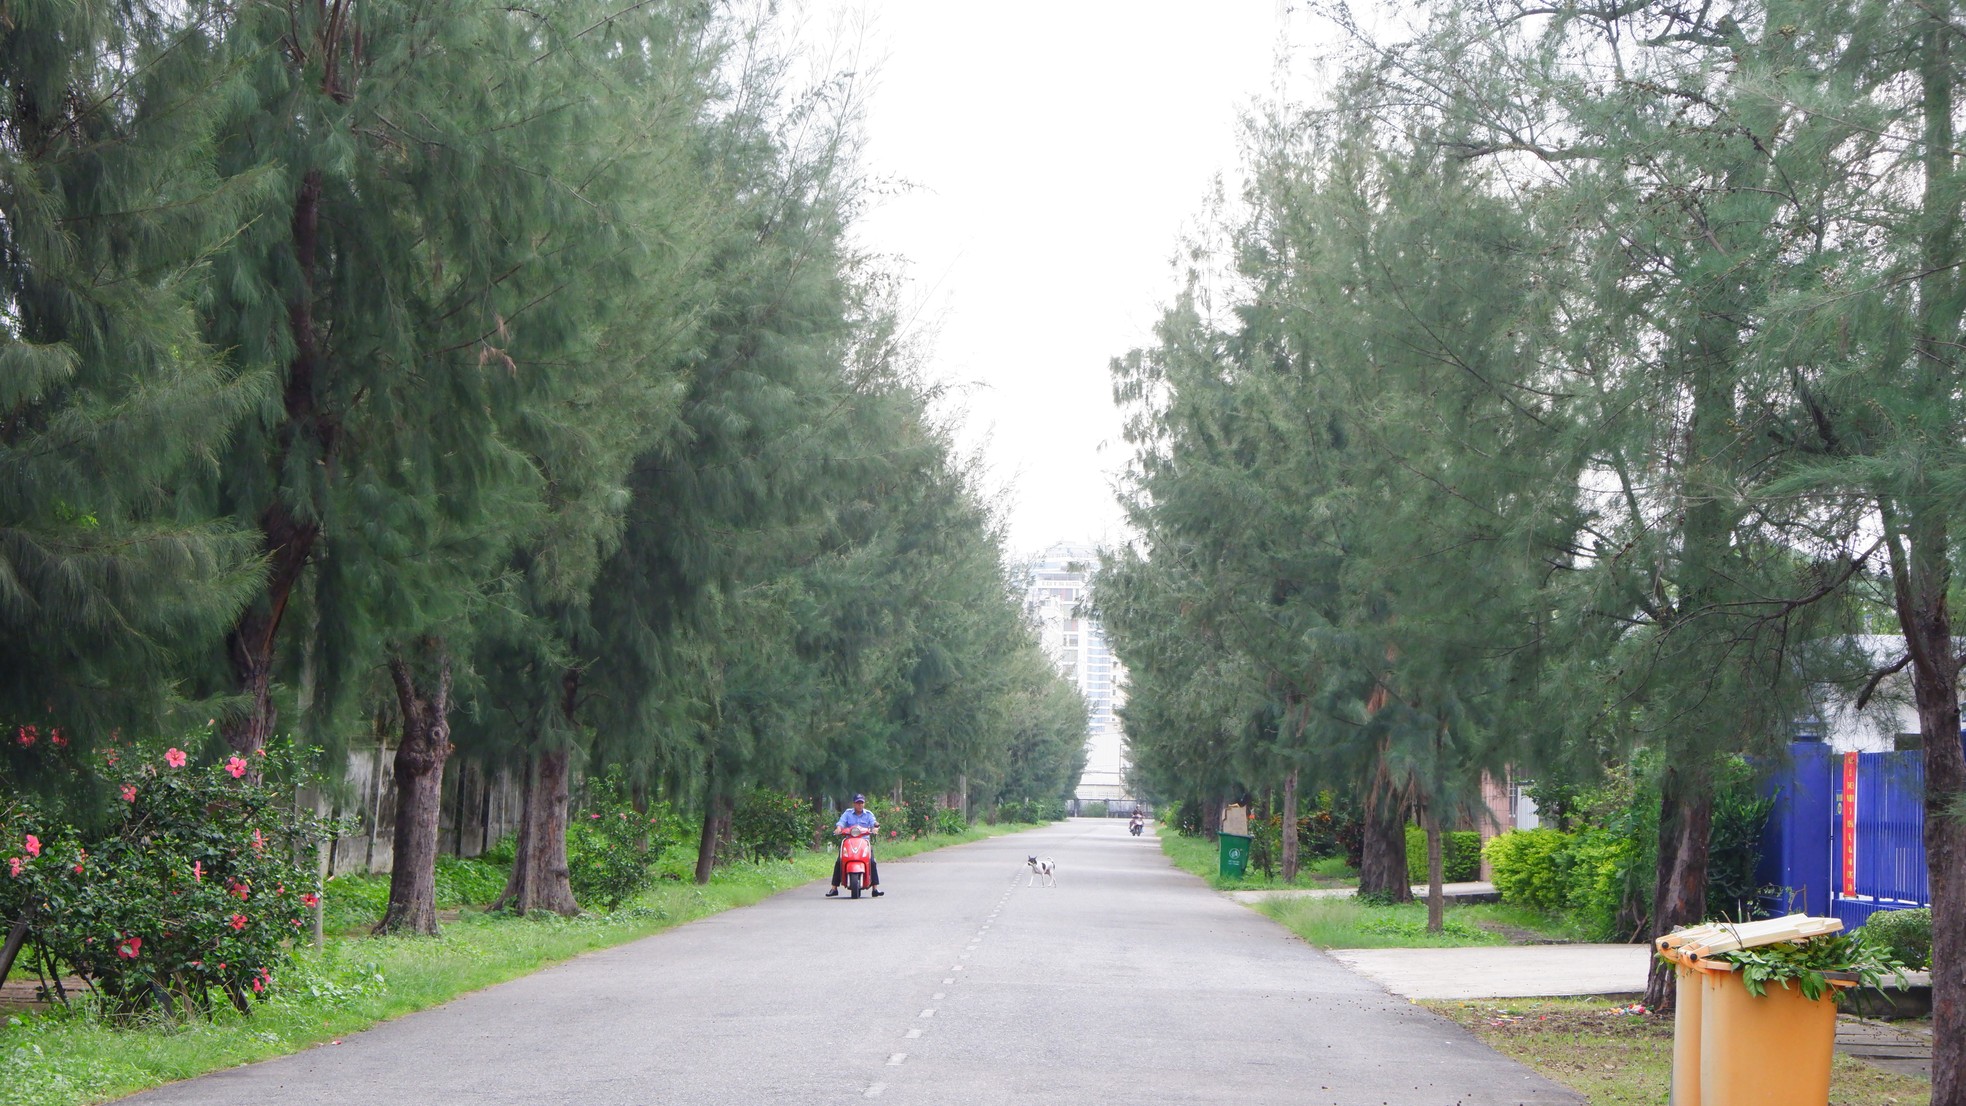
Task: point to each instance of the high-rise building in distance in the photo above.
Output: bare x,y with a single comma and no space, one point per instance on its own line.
1060,581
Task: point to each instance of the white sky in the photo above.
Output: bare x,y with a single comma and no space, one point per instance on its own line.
1055,152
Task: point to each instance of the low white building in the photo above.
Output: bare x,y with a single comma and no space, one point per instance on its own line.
1888,721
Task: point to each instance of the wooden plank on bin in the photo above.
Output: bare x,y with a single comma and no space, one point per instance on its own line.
1713,938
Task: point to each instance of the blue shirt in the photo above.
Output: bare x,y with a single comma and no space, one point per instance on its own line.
849,819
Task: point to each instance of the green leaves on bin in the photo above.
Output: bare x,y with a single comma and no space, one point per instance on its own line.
1810,964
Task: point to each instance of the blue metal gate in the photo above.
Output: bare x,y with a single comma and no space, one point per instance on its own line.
1847,834
1881,848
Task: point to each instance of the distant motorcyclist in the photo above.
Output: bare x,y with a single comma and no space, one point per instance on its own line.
1139,823
857,815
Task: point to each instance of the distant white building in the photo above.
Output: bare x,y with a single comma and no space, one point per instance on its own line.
1060,582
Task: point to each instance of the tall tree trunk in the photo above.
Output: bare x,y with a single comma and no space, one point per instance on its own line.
1679,893
540,877
1436,897
716,824
1211,818
1382,871
419,793
1290,827
287,540
1922,569
1935,683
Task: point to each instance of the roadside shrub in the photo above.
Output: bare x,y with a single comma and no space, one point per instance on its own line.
612,848
1351,840
1526,868
502,853
1266,844
1032,811
1318,833
354,902
462,882
1905,934
915,818
189,891
1460,855
1318,837
950,822
1093,810
1186,818
1596,865
771,825
1734,850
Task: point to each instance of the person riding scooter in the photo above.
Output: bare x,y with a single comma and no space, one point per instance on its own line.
1139,823
858,816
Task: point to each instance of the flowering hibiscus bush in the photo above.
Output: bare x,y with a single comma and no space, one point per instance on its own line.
915,818
771,825
190,891
612,848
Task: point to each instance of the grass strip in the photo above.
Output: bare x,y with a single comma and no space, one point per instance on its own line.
1203,857
68,1057
1343,922
1347,923
1620,1059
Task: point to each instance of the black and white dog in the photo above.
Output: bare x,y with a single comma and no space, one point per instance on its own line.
1042,870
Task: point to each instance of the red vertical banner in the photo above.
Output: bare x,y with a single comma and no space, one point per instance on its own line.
1849,803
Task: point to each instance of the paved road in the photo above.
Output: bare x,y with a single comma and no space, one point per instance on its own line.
1129,981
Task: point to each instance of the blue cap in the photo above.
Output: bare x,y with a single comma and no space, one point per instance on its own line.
860,798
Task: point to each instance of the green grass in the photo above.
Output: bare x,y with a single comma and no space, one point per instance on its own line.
69,1058
1346,923
1618,1059
1204,858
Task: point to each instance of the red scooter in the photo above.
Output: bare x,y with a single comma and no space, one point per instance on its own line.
856,858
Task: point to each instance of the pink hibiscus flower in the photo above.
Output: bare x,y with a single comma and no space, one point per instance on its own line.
129,793
238,921
175,757
235,767
128,946
13,866
33,845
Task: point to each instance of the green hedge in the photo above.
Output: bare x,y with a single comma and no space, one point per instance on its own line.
1460,855
1527,871
1907,933
1581,875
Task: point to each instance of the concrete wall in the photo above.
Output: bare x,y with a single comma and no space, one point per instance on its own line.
477,810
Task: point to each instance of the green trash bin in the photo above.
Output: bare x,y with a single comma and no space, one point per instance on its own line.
1235,854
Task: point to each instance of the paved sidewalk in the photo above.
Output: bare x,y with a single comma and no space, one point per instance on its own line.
1582,970
1503,971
